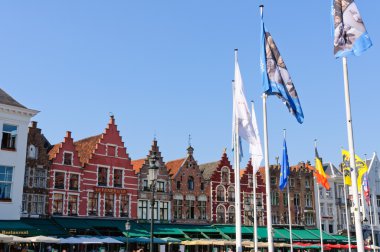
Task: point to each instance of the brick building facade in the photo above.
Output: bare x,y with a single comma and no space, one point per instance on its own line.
93,177
36,179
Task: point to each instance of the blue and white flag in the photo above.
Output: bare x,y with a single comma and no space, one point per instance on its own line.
350,34
275,77
285,169
242,121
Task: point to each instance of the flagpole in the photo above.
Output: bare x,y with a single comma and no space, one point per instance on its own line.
267,173
358,225
254,200
237,181
347,217
319,205
290,212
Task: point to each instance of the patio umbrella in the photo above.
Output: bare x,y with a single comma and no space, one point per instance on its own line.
110,240
171,240
5,238
17,239
43,239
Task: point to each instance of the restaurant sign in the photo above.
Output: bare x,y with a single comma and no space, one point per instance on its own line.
110,190
14,232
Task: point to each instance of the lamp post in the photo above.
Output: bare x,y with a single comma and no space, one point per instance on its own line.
127,228
154,165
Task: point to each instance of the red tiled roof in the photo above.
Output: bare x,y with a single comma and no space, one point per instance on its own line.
137,164
174,165
86,147
53,151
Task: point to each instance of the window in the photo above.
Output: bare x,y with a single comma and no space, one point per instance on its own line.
178,185
378,200
220,214
26,176
231,215
68,158
177,209
307,182
155,210
73,205
32,152
202,186
39,180
309,219
286,217
58,204
275,219
9,137
38,204
111,150
330,210
145,185
321,194
250,181
225,175
202,209
24,203
285,198
160,186
308,200
92,203
291,182
331,229
124,205
259,200
6,173
164,210
220,193
190,183
273,180
274,198
59,182
296,199
102,176
190,209
118,178
329,194
109,204
74,178
231,194
143,209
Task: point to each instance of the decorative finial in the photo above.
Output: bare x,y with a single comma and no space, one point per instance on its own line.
225,150
189,139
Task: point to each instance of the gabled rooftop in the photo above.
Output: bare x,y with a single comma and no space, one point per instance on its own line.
208,169
86,146
8,100
174,165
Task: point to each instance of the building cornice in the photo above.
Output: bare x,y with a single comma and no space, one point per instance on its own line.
18,111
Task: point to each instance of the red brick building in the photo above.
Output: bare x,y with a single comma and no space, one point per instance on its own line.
162,193
220,180
93,177
188,188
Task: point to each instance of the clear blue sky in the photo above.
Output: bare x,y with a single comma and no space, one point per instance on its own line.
165,68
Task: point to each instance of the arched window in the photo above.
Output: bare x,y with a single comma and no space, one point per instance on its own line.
220,214
231,214
190,183
220,193
225,175
231,194
32,152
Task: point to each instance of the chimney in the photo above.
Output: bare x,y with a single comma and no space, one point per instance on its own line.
34,124
112,119
68,134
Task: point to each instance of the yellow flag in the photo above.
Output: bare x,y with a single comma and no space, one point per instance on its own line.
360,165
346,168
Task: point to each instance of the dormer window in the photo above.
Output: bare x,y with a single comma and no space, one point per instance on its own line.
68,158
225,175
190,183
8,141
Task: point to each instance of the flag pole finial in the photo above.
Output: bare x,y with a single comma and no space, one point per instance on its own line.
284,130
315,143
261,9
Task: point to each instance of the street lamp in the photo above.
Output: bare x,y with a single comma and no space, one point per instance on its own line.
154,165
127,228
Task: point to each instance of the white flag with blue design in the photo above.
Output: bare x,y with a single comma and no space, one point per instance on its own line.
350,34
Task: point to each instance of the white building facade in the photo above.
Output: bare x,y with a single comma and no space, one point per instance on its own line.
14,121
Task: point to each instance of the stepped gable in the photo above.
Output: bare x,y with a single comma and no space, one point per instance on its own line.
85,147
56,149
8,100
249,170
224,161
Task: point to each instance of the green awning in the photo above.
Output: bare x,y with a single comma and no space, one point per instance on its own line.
305,235
15,227
326,237
44,227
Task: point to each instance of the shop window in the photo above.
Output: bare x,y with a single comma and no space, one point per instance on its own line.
93,203
58,204
8,141
124,205
110,200
73,205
